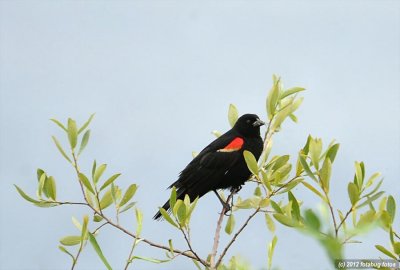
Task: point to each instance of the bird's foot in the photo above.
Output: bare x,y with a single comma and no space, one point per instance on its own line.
226,209
235,190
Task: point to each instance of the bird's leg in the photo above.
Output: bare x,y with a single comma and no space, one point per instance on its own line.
234,190
226,206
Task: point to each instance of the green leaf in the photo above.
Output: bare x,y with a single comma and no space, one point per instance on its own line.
230,224
315,151
97,218
86,124
139,221
127,207
128,194
353,192
93,168
176,207
252,202
39,173
333,246
270,223
257,191
306,147
251,162
181,214
193,205
42,181
391,207
171,248
366,219
58,123
85,140
76,223
96,247
85,181
216,133
72,133
359,175
106,200
72,240
291,91
331,153
271,248
99,171
305,166
371,199
50,188
372,179
280,162
396,248
109,181
46,204
285,220
374,190
314,190
285,112
232,114
84,228
172,198
59,147
325,174
63,249
167,217
276,207
152,260
26,197
272,98
295,206
386,252
293,117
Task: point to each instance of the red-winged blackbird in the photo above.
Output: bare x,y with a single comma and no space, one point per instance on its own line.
221,164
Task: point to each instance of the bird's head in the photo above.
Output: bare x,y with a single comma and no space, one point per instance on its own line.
249,125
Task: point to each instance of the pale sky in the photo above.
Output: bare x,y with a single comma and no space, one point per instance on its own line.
160,76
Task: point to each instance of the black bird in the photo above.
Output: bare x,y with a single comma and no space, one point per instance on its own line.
221,164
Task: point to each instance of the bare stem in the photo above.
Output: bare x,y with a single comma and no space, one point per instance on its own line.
128,262
218,234
187,239
343,220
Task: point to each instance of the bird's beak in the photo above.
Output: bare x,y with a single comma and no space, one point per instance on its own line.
258,123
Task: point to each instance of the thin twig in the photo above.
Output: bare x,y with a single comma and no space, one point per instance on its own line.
235,236
395,234
187,239
343,220
98,228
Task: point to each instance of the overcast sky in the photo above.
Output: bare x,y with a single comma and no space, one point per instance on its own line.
160,76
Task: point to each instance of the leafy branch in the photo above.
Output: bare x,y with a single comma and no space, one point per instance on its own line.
275,178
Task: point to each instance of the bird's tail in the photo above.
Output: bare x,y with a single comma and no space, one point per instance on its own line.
158,215
179,196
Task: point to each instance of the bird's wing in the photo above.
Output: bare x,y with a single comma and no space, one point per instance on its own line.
202,174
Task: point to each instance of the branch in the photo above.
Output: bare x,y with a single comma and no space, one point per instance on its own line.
235,236
328,201
117,226
190,247
217,234
343,220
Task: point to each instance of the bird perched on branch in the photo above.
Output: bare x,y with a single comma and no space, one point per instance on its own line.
221,164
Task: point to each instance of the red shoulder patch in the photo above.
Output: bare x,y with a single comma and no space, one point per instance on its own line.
234,145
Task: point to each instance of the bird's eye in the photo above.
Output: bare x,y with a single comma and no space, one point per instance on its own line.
248,121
